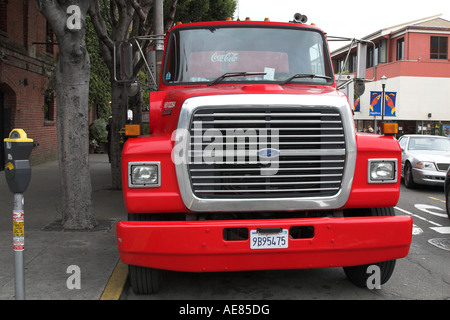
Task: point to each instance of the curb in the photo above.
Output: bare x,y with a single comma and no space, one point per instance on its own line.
116,282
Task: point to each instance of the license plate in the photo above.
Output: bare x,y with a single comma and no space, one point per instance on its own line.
261,240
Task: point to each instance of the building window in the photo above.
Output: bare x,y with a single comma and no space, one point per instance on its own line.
49,105
439,48
351,63
400,49
369,59
25,24
3,20
49,38
382,51
338,65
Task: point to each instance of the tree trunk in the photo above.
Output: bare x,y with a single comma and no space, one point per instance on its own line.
72,94
72,88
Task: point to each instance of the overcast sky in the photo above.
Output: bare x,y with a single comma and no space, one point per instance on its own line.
345,18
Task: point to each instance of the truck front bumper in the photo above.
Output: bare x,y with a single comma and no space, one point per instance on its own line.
199,246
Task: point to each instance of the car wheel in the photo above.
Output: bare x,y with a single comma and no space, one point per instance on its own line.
408,177
447,201
358,275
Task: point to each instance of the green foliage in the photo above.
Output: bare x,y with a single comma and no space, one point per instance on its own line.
100,82
204,10
98,132
221,9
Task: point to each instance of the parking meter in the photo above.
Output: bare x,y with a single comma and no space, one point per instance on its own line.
17,165
18,148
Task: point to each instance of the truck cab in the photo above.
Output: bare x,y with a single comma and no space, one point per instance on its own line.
253,162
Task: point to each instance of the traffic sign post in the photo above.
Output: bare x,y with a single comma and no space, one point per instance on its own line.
19,246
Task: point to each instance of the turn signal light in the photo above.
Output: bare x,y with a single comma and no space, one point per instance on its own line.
132,130
390,128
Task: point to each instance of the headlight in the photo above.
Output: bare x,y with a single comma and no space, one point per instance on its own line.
382,171
144,174
426,165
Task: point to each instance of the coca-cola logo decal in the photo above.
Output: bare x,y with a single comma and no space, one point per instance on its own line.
226,57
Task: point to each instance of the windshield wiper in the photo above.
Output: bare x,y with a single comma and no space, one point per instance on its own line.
235,74
305,75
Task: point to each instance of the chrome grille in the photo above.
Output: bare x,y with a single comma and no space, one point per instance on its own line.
273,152
443,166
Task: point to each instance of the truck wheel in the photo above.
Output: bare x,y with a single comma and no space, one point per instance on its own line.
358,274
144,280
408,177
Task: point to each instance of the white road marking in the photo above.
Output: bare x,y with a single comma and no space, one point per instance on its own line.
419,217
416,230
431,210
441,230
441,243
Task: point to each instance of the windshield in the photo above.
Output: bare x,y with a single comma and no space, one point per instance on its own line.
247,54
436,144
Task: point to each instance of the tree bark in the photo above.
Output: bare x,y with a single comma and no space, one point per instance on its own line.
72,95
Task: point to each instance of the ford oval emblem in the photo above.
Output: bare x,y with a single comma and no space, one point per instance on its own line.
268,153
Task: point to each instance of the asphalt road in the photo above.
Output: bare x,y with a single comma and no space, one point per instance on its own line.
423,275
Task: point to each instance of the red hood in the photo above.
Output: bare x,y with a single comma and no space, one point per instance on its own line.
165,106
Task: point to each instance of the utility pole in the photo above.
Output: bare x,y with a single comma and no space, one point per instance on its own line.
158,20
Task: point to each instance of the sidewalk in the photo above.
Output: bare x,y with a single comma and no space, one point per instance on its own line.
49,250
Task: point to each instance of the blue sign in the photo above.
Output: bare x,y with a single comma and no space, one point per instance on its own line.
389,107
376,103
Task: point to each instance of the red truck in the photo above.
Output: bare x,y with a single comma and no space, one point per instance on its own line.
253,162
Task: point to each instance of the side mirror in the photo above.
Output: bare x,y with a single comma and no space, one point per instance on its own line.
126,53
361,63
360,87
133,88
361,60
124,62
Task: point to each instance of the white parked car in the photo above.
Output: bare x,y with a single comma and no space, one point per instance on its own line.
425,159
447,193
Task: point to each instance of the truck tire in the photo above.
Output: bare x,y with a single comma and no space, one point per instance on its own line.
144,280
358,275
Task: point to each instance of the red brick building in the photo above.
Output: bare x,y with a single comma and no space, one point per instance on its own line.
27,58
